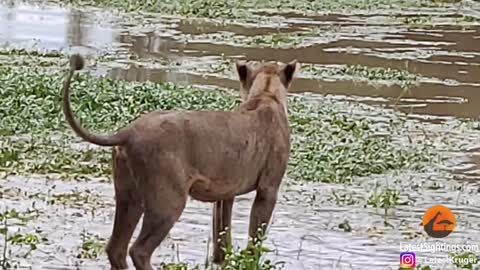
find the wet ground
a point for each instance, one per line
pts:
(439, 46)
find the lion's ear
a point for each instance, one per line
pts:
(288, 72)
(242, 70)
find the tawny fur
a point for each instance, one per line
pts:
(161, 158)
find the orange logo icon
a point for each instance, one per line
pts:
(438, 221)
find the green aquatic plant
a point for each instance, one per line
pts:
(327, 145)
(343, 198)
(53, 157)
(92, 246)
(19, 244)
(27, 52)
(335, 149)
(195, 8)
(293, 39)
(228, 9)
(207, 8)
(359, 72)
(251, 257)
(76, 199)
(386, 199)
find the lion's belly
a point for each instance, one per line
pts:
(208, 190)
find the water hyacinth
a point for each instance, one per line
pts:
(327, 146)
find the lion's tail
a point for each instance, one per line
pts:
(76, 63)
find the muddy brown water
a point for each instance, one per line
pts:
(305, 228)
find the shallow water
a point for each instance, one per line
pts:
(305, 228)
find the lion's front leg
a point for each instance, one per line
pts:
(261, 212)
(266, 198)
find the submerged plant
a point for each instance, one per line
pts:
(343, 198)
(92, 246)
(18, 244)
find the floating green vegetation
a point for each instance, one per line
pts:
(195, 8)
(24, 51)
(468, 19)
(92, 246)
(206, 8)
(417, 20)
(23, 57)
(295, 39)
(222, 66)
(18, 218)
(327, 145)
(361, 73)
(332, 148)
(292, 39)
(341, 197)
(231, 9)
(341, 5)
(40, 155)
(431, 20)
(373, 75)
(31, 100)
(84, 199)
(17, 244)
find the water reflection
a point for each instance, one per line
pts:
(448, 54)
(53, 27)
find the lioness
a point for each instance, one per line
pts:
(161, 158)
